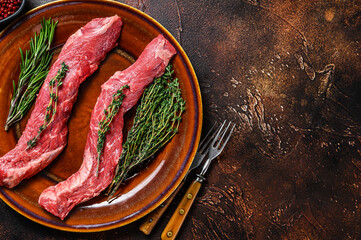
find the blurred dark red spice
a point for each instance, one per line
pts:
(8, 7)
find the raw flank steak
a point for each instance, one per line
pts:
(86, 183)
(83, 52)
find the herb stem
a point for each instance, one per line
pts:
(33, 70)
(155, 123)
(55, 82)
(104, 124)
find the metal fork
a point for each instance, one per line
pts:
(151, 220)
(213, 150)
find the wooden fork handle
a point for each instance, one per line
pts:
(151, 220)
(176, 221)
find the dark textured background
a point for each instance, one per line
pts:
(288, 73)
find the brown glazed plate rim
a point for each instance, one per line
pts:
(186, 162)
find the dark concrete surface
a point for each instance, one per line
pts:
(288, 73)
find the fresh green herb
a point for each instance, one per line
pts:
(33, 70)
(104, 124)
(54, 85)
(156, 121)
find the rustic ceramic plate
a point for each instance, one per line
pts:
(143, 192)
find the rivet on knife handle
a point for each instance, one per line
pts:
(176, 221)
(152, 218)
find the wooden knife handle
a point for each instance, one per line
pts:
(176, 221)
(151, 220)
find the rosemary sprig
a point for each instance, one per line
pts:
(33, 70)
(54, 85)
(104, 124)
(156, 121)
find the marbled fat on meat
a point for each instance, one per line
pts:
(84, 184)
(83, 52)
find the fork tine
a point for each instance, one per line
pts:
(209, 140)
(206, 137)
(223, 133)
(229, 135)
(219, 131)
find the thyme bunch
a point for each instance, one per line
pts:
(54, 85)
(156, 122)
(33, 70)
(104, 124)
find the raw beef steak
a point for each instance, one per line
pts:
(85, 184)
(82, 52)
